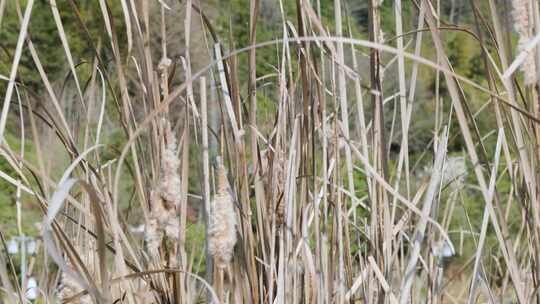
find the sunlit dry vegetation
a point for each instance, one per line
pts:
(267, 151)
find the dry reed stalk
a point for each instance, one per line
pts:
(263, 230)
(282, 257)
(68, 287)
(500, 229)
(14, 67)
(70, 291)
(206, 181)
(434, 184)
(275, 171)
(380, 226)
(522, 25)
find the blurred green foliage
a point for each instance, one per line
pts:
(45, 36)
(8, 194)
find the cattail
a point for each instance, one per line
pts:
(169, 186)
(520, 14)
(163, 222)
(164, 200)
(222, 230)
(152, 233)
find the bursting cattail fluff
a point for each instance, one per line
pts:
(169, 186)
(165, 198)
(222, 230)
(522, 25)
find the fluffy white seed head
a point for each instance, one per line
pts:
(169, 185)
(152, 236)
(165, 198)
(222, 230)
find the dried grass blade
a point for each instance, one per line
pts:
(65, 44)
(55, 204)
(485, 220)
(14, 66)
(433, 186)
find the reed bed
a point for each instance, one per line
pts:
(174, 183)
